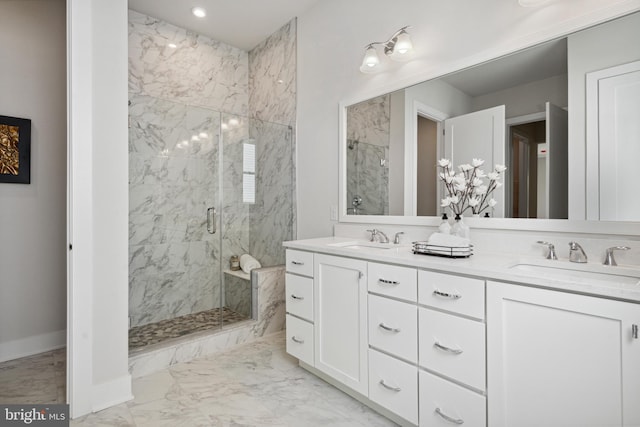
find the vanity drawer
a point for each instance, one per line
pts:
(300, 339)
(300, 262)
(452, 293)
(299, 292)
(393, 384)
(392, 280)
(393, 327)
(440, 398)
(452, 346)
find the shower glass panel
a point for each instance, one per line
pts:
(185, 161)
(257, 204)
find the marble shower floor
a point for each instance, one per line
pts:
(35, 379)
(154, 333)
(255, 384)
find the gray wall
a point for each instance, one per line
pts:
(33, 217)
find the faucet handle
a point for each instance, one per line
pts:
(609, 259)
(576, 253)
(374, 233)
(552, 249)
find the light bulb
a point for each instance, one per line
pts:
(403, 44)
(199, 12)
(370, 61)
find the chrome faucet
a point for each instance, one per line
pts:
(378, 235)
(609, 259)
(552, 249)
(576, 253)
(396, 239)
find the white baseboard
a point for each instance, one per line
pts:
(32, 345)
(111, 393)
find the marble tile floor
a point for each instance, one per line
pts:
(154, 333)
(255, 384)
(36, 379)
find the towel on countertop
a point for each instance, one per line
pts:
(248, 263)
(448, 240)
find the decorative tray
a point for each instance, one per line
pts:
(423, 248)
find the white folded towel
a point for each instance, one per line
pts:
(248, 263)
(449, 240)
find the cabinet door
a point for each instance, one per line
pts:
(560, 359)
(340, 308)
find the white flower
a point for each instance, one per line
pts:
(492, 202)
(493, 176)
(454, 199)
(473, 202)
(498, 184)
(466, 167)
(444, 163)
(480, 173)
(500, 168)
(460, 187)
(445, 202)
(481, 189)
(460, 179)
(477, 162)
(477, 182)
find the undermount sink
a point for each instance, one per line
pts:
(581, 273)
(363, 245)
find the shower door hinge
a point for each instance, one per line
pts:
(634, 331)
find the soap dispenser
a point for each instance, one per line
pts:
(445, 227)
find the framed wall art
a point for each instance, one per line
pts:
(15, 150)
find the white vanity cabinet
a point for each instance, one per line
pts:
(451, 350)
(299, 305)
(340, 320)
(393, 339)
(560, 359)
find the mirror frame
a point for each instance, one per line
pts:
(522, 224)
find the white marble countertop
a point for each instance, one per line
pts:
(619, 282)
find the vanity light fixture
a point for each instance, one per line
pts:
(199, 12)
(399, 48)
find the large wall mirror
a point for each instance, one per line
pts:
(563, 116)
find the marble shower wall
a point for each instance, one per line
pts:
(272, 106)
(368, 137)
(199, 71)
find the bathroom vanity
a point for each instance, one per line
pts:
(485, 341)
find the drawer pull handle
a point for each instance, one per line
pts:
(297, 263)
(446, 295)
(298, 340)
(389, 328)
(388, 282)
(388, 387)
(294, 296)
(448, 418)
(447, 349)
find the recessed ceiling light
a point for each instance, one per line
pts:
(199, 12)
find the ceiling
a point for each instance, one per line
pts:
(239, 23)
(536, 63)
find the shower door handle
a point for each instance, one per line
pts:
(211, 220)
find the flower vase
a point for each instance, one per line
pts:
(459, 228)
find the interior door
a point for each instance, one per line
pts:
(478, 135)
(557, 162)
(613, 130)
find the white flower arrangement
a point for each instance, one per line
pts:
(467, 189)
